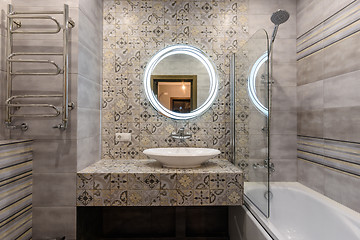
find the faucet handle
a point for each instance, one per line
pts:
(180, 134)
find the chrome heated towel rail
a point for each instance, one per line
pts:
(15, 27)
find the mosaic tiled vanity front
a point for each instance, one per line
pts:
(146, 183)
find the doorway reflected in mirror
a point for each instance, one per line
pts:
(180, 105)
(177, 93)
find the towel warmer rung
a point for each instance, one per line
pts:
(38, 12)
(33, 17)
(16, 27)
(58, 69)
(34, 54)
(39, 105)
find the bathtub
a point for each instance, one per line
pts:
(299, 213)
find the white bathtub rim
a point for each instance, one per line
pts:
(273, 231)
(296, 186)
(336, 206)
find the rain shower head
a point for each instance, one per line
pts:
(279, 17)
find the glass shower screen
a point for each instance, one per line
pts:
(250, 118)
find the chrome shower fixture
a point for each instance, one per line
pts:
(278, 17)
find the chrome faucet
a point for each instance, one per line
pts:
(266, 164)
(180, 134)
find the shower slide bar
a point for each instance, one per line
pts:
(15, 26)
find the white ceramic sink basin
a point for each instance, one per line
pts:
(181, 157)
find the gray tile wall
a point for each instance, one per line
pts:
(311, 13)
(59, 154)
(4, 133)
(328, 100)
(89, 82)
(55, 152)
(284, 117)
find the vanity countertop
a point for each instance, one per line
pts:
(146, 183)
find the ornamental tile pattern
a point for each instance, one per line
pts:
(133, 31)
(152, 181)
(102, 181)
(145, 183)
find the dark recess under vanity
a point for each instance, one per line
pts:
(172, 223)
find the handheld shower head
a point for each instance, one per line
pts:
(279, 17)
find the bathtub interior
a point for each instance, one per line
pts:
(298, 212)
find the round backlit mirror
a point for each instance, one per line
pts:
(252, 83)
(181, 82)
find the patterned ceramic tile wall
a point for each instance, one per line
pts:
(133, 32)
(241, 114)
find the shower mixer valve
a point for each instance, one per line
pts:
(266, 164)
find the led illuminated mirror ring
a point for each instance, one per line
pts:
(191, 51)
(252, 84)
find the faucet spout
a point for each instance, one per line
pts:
(180, 134)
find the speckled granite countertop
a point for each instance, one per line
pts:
(152, 166)
(145, 183)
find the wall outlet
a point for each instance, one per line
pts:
(123, 137)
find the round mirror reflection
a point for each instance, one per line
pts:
(181, 82)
